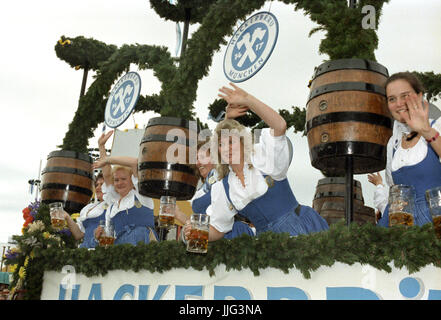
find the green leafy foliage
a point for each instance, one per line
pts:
(345, 38)
(194, 10)
(412, 248)
(431, 83)
(84, 53)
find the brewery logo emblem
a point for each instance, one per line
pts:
(251, 46)
(122, 99)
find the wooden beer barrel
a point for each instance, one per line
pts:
(68, 178)
(334, 212)
(347, 115)
(332, 189)
(167, 159)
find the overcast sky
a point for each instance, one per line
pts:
(40, 92)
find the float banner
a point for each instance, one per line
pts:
(339, 282)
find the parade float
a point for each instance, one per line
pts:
(353, 260)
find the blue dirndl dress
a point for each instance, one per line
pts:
(274, 210)
(90, 225)
(422, 176)
(200, 205)
(134, 225)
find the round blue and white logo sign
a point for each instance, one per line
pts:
(122, 99)
(251, 46)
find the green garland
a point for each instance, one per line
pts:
(413, 248)
(44, 250)
(345, 38)
(195, 10)
(345, 35)
(84, 53)
(431, 83)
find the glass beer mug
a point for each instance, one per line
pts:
(433, 197)
(57, 215)
(401, 205)
(198, 239)
(167, 209)
(107, 238)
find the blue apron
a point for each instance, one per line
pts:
(422, 176)
(312, 220)
(134, 225)
(90, 225)
(274, 210)
(201, 204)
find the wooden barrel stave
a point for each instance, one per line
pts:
(334, 212)
(159, 176)
(68, 178)
(347, 115)
(332, 189)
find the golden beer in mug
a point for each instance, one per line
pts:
(57, 215)
(401, 205)
(167, 209)
(198, 239)
(107, 237)
(106, 241)
(57, 224)
(400, 218)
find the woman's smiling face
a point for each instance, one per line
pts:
(396, 92)
(122, 182)
(231, 149)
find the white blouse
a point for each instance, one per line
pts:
(401, 158)
(111, 196)
(271, 157)
(91, 210)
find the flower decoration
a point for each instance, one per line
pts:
(12, 254)
(30, 212)
(36, 226)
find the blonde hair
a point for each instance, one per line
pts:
(234, 128)
(123, 168)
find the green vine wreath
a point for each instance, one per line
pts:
(412, 247)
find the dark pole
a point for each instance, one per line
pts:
(186, 26)
(83, 84)
(349, 198)
(349, 190)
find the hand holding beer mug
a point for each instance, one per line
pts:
(107, 237)
(401, 205)
(167, 209)
(433, 197)
(198, 238)
(57, 215)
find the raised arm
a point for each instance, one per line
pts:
(107, 170)
(239, 98)
(118, 160)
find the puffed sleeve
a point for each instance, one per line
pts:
(109, 193)
(381, 196)
(388, 170)
(220, 212)
(271, 155)
(145, 201)
(80, 225)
